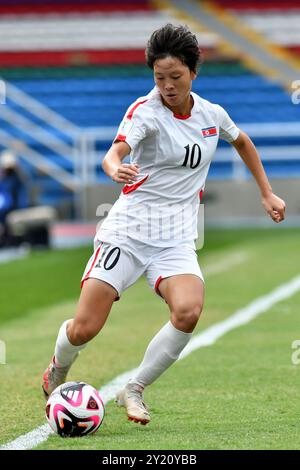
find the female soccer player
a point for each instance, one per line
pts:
(172, 135)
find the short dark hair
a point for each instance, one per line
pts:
(175, 41)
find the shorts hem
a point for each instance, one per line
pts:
(162, 277)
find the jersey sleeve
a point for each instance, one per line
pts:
(228, 130)
(136, 125)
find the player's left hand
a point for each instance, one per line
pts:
(275, 207)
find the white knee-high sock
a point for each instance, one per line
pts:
(162, 352)
(64, 350)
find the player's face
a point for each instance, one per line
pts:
(174, 81)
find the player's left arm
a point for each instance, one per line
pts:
(274, 205)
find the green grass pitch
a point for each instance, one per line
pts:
(240, 393)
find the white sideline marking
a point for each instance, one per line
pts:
(242, 316)
(206, 338)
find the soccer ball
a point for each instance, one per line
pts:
(75, 409)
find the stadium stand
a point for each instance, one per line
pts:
(278, 21)
(78, 86)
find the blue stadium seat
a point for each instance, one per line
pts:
(100, 102)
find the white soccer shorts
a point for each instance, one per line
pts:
(121, 264)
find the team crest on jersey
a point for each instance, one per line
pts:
(209, 131)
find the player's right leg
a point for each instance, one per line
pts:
(93, 308)
(110, 270)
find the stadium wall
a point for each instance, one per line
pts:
(226, 202)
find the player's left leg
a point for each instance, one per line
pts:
(184, 295)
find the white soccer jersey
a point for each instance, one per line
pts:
(174, 154)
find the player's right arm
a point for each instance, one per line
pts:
(113, 166)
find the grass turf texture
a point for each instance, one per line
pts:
(240, 393)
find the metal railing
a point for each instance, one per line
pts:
(93, 136)
(46, 127)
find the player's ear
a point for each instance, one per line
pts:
(193, 75)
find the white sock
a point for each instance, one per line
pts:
(64, 350)
(162, 352)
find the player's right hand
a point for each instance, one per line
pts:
(126, 173)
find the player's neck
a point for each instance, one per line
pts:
(184, 109)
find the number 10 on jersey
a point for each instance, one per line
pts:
(192, 157)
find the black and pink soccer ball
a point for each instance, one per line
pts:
(75, 409)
